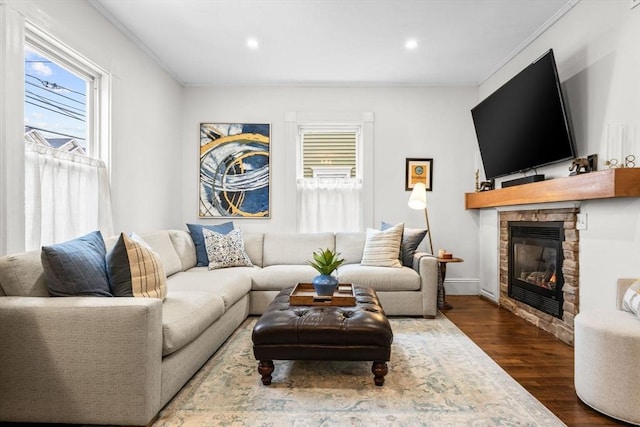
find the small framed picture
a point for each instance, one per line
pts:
(419, 170)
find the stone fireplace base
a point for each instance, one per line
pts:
(561, 328)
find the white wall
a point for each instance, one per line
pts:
(146, 117)
(408, 122)
(597, 50)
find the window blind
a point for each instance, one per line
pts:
(329, 150)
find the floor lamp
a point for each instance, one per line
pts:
(418, 200)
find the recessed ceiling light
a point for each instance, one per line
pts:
(411, 44)
(252, 43)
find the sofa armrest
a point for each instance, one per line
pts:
(84, 360)
(427, 267)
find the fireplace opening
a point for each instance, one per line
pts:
(535, 264)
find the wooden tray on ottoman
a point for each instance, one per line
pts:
(304, 294)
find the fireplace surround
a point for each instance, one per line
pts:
(563, 220)
(606, 184)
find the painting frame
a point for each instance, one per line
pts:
(418, 170)
(234, 170)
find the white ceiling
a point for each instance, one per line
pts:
(332, 42)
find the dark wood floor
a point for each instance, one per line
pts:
(540, 362)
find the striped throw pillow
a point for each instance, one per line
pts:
(135, 270)
(382, 248)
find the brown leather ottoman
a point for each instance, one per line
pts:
(361, 332)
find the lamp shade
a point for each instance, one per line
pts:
(418, 197)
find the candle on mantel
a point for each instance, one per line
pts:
(622, 143)
(607, 157)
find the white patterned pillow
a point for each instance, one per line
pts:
(382, 248)
(631, 298)
(225, 250)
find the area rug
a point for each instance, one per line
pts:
(437, 377)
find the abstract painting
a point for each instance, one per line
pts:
(234, 170)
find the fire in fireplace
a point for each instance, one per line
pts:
(535, 264)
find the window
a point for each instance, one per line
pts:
(329, 178)
(66, 96)
(66, 133)
(55, 104)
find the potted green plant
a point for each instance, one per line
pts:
(325, 261)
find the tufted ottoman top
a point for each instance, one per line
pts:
(324, 332)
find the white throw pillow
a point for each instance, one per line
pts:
(382, 248)
(631, 298)
(225, 250)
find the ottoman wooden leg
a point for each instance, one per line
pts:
(265, 369)
(379, 370)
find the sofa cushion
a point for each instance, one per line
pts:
(77, 267)
(186, 314)
(411, 239)
(135, 270)
(198, 239)
(225, 250)
(277, 277)
(161, 243)
(185, 248)
(21, 275)
(231, 284)
(382, 248)
(253, 242)
(294, 248)
(350, 246)
(380, 278)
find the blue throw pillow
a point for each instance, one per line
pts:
(77, 267)
(198, 239)
(411, 239)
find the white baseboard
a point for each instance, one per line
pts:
(488, 295)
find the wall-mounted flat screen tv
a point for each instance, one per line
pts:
(523, 125)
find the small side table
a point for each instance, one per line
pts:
(442, 264)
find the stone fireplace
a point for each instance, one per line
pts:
(559, 319)
(597, 185)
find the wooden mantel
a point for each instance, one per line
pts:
(624, 182)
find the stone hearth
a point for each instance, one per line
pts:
(561, 328)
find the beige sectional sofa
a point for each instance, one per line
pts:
(95, 360)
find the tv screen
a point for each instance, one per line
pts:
(523, 124)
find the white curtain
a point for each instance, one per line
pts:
(329, 205)
(66, 195)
